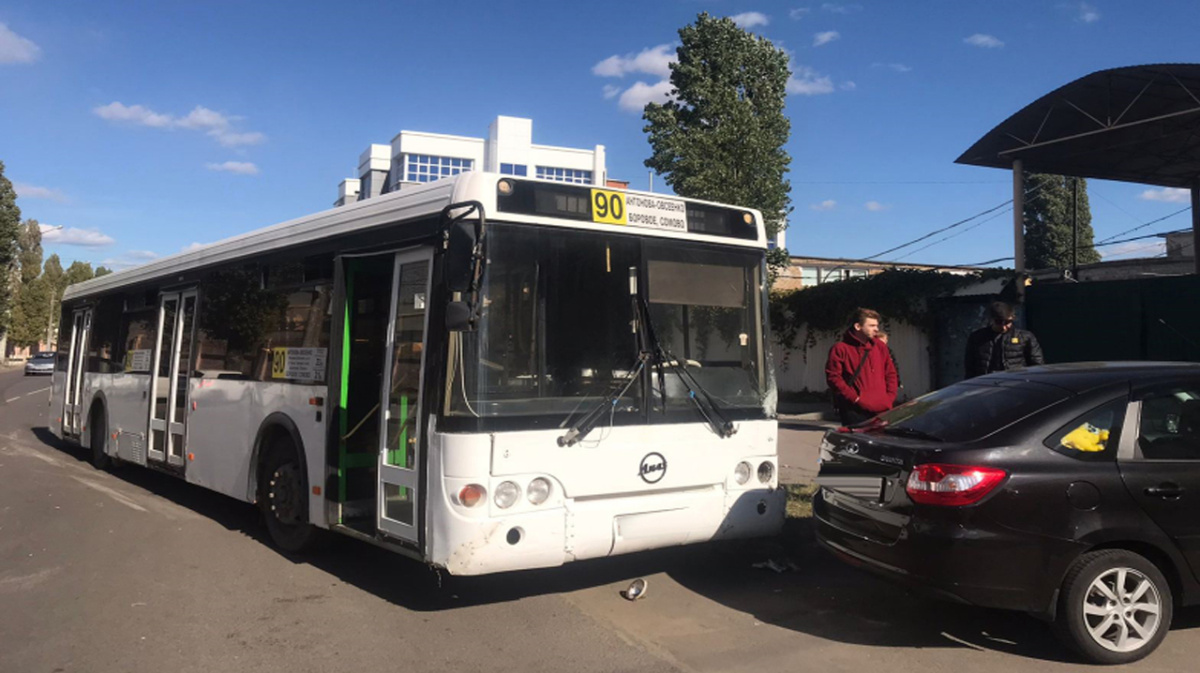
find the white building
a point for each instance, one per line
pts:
(415, 157)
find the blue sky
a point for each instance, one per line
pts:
(142, 128)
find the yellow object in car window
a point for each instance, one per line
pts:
(1086, 437)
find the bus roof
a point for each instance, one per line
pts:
(410, 204)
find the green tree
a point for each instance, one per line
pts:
(31, 311)
(53, 275)
(1048, 217)
(102, 271)
(721, 138)
(10, 226)
(77, 273)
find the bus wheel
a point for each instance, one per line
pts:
(283, 497)
(99, 425)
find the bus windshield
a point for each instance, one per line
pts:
(556, 333)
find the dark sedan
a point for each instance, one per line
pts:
(1071, 492)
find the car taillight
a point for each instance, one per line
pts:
(952, 485)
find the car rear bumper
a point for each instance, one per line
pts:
(980, 564)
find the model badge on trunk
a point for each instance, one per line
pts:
(653, 468)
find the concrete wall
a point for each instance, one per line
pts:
(797, 370)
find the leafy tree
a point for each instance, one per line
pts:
(53, 275)
(34, 296)
(102, 271)
(721, 138)
(1048, 213)
(10, 226)
(77, 273)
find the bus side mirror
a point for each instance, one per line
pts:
(460, 257)
(458, 317)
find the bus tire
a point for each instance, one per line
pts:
(283, 497)
(98, 422)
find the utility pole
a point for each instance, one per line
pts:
(1018, 202)
(1075, 228)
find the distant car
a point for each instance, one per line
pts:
(1071, 492)
(40, 363)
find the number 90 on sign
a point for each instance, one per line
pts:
(608, 207)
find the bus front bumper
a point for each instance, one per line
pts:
(605, 526)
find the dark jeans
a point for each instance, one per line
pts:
(851, 416)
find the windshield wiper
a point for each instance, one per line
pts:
(587, 423)
(704, 402)
(911, 432)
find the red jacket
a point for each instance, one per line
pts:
(875, 389)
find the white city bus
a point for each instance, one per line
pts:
(483, 373)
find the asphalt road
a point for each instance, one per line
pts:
(136, 571)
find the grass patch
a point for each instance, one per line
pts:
(799, 500)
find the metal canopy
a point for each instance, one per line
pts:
(1135, 124)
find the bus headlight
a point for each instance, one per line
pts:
(506, 494)
(539, 491)
(765, 471)
(741, 473)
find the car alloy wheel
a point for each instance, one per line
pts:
(1122, 610)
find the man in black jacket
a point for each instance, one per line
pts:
(999, 346)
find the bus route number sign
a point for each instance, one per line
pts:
(608, 207)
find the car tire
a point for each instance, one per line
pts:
(1115, 607)
(99, 435)
(283, 499)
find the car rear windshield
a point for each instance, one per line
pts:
(44, 356)
(970, 410)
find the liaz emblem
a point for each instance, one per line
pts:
(653, 468)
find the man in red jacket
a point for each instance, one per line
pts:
(860, 372)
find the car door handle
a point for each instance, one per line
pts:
(1167, 491)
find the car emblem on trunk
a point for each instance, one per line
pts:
(851, 449)
(653, 468)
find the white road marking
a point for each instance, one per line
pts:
(110, 493)
(10, 582)
(39, 390)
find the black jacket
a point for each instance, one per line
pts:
(1020, 349)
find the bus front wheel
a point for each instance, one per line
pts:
(283, 498)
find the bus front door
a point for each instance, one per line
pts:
(73, 412)
(399, 436)
(171, 371)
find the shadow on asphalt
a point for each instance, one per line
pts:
(822, 597)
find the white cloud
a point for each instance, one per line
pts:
(214, 124)
(192, 246)
(848, 85)
(239, 167)
(135, 114)
(635, 97)
(16, 49)
(1167, 195)
(74, 236)
(875, 206)
(748, 20)
(798, 13)
(838, 8)
(1135, 248)
(611, 91)
(25, 191)
(982, 40)
(808, 82)
(145, 255)
(827, 204)
(1087, 13)
(898, 67)
(826, 37)
(651, 60)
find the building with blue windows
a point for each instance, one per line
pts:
(417, 157)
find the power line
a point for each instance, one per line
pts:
(1145, 224)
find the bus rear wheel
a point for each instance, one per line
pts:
(283, 498)
(99, 428)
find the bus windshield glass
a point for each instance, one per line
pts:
(556, 334)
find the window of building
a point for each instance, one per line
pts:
(514, 169)
(564, 175)
(427, 167)
(809, 276)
